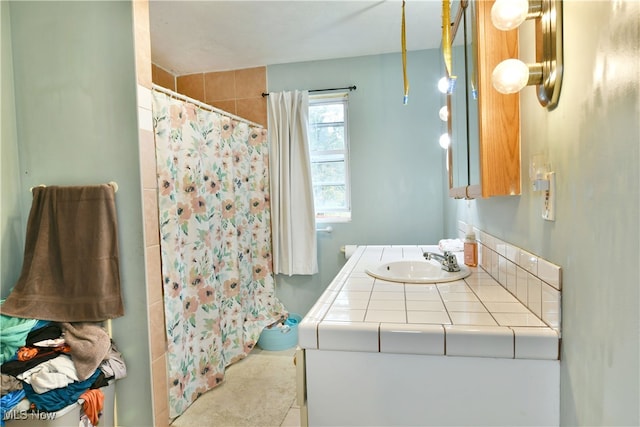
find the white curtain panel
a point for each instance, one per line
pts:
(292, 211)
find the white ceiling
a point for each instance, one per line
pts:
(217, 35)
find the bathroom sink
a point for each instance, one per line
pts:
(416, 271)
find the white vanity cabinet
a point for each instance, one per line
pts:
(379, 353)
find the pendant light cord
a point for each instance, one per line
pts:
(403, 37)
(446, 45)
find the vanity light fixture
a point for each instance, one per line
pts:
(443, 85)
(447, 85)
(445, 141)
(444, 113)
(511, 75)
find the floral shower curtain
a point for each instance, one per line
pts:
(215, 242)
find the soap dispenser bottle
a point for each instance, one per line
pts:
(470, 248)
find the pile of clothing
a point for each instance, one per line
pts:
(47, 366)
(70, 281)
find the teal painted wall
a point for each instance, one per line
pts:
(11, 219)
(591, 140)
(76, 123)
(397, 166)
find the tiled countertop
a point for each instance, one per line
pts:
(471, 317)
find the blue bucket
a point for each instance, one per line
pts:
(281, 336)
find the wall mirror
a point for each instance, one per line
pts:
(483, 157)
(462, 123)
(472, 94)
(458, 150)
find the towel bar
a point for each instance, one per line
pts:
(111, 183)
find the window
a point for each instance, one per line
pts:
(329, 152)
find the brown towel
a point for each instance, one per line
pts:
(71, 270)
(89, 344)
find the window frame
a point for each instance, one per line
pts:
(342, 214)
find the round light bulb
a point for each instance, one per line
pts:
(510, 76)
(445, 140)
(508, 14)
(443, 85)
(444, 113)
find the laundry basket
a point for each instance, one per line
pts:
(280, 336)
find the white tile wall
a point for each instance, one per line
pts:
(549, 273)
(512, 253)
(145, 117)
(502, 268)
(535, 282)
(511, 277)
(551, 303)
(534, 295)
(528, 261)
(522, 279)
(495, 258)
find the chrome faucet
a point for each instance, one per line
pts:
(448, 260)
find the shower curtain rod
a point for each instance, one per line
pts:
(202, 105)
(324, 90)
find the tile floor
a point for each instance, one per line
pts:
(293, 417)
(261, 373)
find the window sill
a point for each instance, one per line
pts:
(332, 220)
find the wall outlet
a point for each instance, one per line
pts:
(549, 199)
